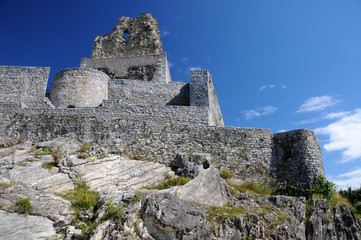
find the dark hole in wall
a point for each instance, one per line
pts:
(126, 34)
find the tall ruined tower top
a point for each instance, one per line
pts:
(130, 37)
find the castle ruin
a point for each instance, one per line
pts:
(123, 97)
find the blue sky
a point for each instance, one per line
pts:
(276, 64)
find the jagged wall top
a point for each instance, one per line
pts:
(130, 37)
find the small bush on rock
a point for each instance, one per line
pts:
(81, 196)
(321, 188)
(23, 206)
(48, 165)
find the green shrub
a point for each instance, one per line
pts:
(113, 212)
(23, 206)
(81, 196)
(48, 165)
(225, 174)
(353, 195)
(321, 188)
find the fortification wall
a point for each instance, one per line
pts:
(23, 84)
(79, 87)
(202, 93)
(148, 68)
(252, 154)
(215, 115)
(297, 157)
(149, 93)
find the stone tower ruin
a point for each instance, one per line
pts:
(123, 97)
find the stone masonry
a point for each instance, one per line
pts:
(123, 97)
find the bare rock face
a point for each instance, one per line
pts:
(206, 189)
(167, 217)
(130, 37)
(19, 226)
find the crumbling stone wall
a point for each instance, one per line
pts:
(23, 84)
(130, 37)
(253, 154)
(126, 67)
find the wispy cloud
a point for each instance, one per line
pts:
(335, 115)
(184, 59)
(315, 104)
(348, 179)
(344, 135)
(261, 111)
(263, 87)
(164, 32)
(195, 68)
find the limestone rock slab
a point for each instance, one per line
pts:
(20, 226)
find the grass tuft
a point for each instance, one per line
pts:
(251, 188)
(226, 174)
(81, 196)
(169, 182)
(48, 165)
(85, 147)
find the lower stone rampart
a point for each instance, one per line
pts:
(253, 154)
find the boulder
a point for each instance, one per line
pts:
(208, 188)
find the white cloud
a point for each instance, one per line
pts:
(263, 87)
(336, 115)
(184, 59)
(344, 135)
(314, 104)
(349, 179)
(261, 111)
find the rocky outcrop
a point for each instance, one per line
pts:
(167, 217)
(130, 37)
(206, 189)
(27, 227)
(201, 209)
(190, 165)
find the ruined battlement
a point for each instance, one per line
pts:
(123, 97)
